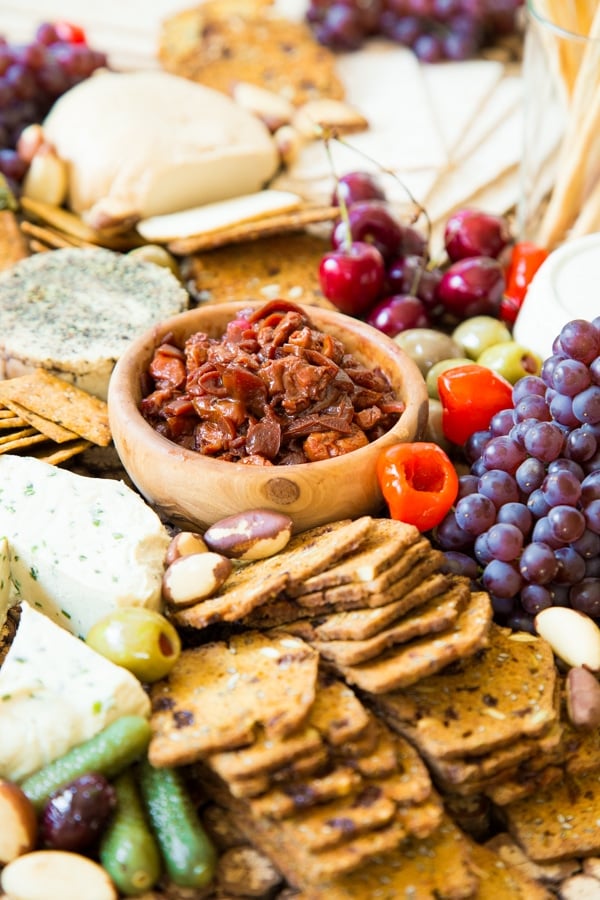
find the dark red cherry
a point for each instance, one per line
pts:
(397, 313)
(371, 222)
(352, 278)
(355, 186)
(472, 287)
(470, 232)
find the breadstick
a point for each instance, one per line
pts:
(579, 144)
(588, 219)
(566, 52)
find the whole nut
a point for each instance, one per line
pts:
(254, 534)
(195, 577)
(56, 875)
(47, 178)
(583, 698)
(573, 636)
(273, 109)
(184, 544)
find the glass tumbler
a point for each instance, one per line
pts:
(560, 168)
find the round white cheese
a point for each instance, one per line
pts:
(565, 287)
(141, 144)
(74, 312)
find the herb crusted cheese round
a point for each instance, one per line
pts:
(74, 311)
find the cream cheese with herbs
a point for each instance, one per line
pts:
(4, 580)
(55, 693)
(74, 311)
(80, 546)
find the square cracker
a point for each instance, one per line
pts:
(432, 617)
(217, 694)
(254, 584)
(61, 402)
(405, 665)
(386, 542)
(505, 692)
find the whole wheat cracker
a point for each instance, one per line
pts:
(264, 755)
(217, 693)
(405, 665)
(279, 803)
(303, 767)
(504, 692)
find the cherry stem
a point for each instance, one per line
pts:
(343, 206)
(421, 211)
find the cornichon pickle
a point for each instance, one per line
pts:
(128, 850)
(188, 853)
(109, 752)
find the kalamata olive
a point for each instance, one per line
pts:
(138, 639)
(76, 814)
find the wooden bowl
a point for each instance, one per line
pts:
(193, 490)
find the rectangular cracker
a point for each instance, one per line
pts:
(264, 755)
(354, 596)
(405, 665)
(55, 455)
(249, 587)
(302, 767)
(505, 692)
(432, 617)
(217, 694)
(57, 400)
(51, 429)
(361, 624)
(387, 540)
(280, 803)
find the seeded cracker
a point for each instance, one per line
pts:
(223, 42)
(504, 692)
(405, 665)
(52, 430)
(56, 400)
(217, 694)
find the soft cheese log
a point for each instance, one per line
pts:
(80, 547)
(56, 693)
(142, 144)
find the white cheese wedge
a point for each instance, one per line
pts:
(216, 216)
(81, 547)
(56, 693)
(4, 580)
(74, 311)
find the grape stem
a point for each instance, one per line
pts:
(347, 237)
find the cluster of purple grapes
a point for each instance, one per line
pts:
(526, 522)
(32, 77)
(434, 29)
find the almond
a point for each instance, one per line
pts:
(573, 636)
(324, 114)
(272, 109)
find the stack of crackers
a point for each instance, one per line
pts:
(44, 416)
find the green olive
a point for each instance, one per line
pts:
(442, 366)
(474, 335)
(425, 346)
(138, 639)
(434, 430)
(511, 360)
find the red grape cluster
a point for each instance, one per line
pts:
(379, 268)
(32, 77)
(434, 29)
(526, 523)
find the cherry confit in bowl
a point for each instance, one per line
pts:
(190, 488)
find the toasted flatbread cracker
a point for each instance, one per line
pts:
(56, 455)
(303, 766)
(432, 617)
(284, 223)
(51, 429)
(437, 866)
(361, 624)
(216, 695)
(280, 803)
(57, 400)
(560, 822)
(386, 543)
(337, 713)
(405, 665)
(498, 879)
(221, 43)
(505, 692)
(264, 269)
(7, 423)
(250, 587)
(265, 755)
(20, 440)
